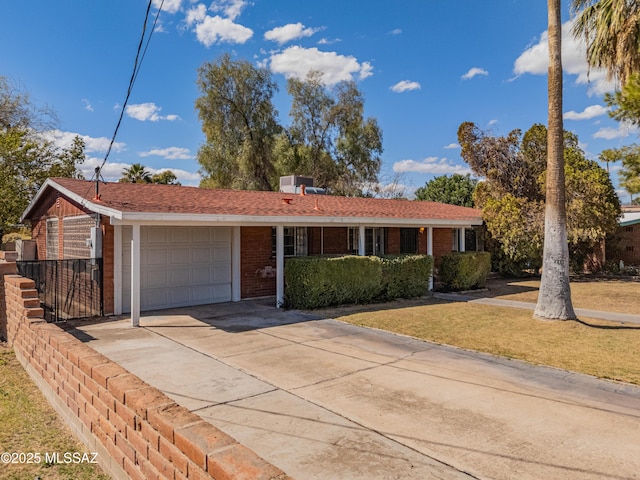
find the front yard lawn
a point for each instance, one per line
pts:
(609, 295)
(603, 349)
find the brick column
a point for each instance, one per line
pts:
(5, 269)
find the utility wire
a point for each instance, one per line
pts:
(140, 54)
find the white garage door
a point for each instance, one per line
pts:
(179, 266)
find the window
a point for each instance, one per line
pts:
(629, 228)
(455, 240)
(373, 240)
(630, 249)
(408, 240)
(295, 241)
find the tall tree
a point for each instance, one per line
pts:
(554, 297)
(329, 138)
(27, 159)
(455, 189)
(166, 177)
(611, 29)
(629, 174)
(624, 104)
(239, 123)
(136, 173)
(514, 211)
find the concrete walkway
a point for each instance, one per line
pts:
(325, 400)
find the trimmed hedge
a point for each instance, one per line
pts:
(314, 282)
(406, 276)
(465, 270)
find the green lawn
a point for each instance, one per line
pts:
(603, 349)
(30, 426)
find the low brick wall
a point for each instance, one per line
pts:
(137, 431)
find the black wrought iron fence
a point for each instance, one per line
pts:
(68, 289)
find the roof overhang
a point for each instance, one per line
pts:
(93, 206)
(630, 218)
(248, 220)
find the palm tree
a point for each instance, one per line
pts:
(554, 298)
(136, 173)
(611, 29)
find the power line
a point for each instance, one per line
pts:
(140, 54)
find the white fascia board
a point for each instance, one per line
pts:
(94, 207)
(187, 219)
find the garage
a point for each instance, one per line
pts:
(179, 266)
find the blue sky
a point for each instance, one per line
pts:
(424, 66)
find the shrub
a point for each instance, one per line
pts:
(465, 270)
(406, 276)
(10, 238)
(313, 282)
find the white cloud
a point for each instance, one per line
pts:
(492, 122)
(452, 146)
(87, 105)
(289, 32)
(91, 144)
(535, 60)
(326, 41)
(395, 31)
(196, 14)
(221, 30)
(184, 177)
(622, 131)
(474, 72)
(404, 86)
(588, 113)
(432, 165)
(147, 111)
(231, 8)
(170, 153)
(297, 62)
(169, 6)
(112, 171)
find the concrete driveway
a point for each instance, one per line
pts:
(321, 399)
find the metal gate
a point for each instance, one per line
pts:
(68, 289)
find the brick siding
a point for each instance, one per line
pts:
(137, 431)
(625, 245)
(442, 242)
(256, 255)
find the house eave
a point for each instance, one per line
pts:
(92, 206)
(142, 218)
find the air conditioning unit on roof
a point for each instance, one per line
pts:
(292, 184)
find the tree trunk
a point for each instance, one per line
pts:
(554, 298)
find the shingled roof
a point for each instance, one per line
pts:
(129, 201)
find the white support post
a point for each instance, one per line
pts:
(235, 265)
(430, 252)
(361, 245)
(279, 266)
(135, 276)
(117, 269)
(461, 240)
